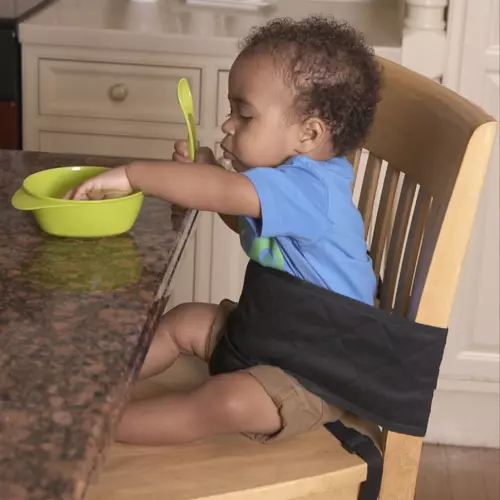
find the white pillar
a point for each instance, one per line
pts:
(424, 37)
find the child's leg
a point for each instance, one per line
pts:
(229, 403)
(183, 330)
(234, 402)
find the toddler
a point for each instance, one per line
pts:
(302, 95)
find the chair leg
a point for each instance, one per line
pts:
(401, 462)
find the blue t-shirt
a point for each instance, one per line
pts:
(310, 226)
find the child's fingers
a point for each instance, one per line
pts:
(180, 158)
(181, 148)
(83, 192)
(69, 195)
(181, 152)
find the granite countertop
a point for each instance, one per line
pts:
(76, 318)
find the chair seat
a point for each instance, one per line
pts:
(312, 466)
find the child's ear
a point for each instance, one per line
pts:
(313, 132)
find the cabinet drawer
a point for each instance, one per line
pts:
(106, 145)
(114, 91)
(222, 100)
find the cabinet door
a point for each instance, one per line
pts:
(466, 407)
(228, 263)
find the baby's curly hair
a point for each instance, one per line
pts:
(332, 71)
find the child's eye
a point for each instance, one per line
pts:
(237, 114)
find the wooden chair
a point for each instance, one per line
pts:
(418, 211)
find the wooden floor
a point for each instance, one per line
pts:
(450, 473)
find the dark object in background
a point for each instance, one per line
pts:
(11, 14)
(10, 87)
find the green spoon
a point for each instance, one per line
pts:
(186, 103)
(22, 200)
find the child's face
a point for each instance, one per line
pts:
(261, 130)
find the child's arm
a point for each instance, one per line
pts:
(192, 185)
(204, 185)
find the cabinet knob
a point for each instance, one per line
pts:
(118, 92)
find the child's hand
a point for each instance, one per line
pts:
(111, 184)
(203, 155)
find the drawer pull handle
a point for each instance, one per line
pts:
(118, 92)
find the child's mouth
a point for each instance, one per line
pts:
(235, 163)
(228, 155)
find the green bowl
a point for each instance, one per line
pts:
(42, 193)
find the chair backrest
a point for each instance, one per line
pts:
(428, 154)
(419, 208)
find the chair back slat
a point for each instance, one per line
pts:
(369, 190)
(384, 218)
(412, 250)
(397, 241)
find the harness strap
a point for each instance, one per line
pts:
(355, 442)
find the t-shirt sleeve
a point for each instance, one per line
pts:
(293, 200)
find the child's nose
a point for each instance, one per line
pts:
(228, 126)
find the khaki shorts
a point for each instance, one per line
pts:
(299, 409)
